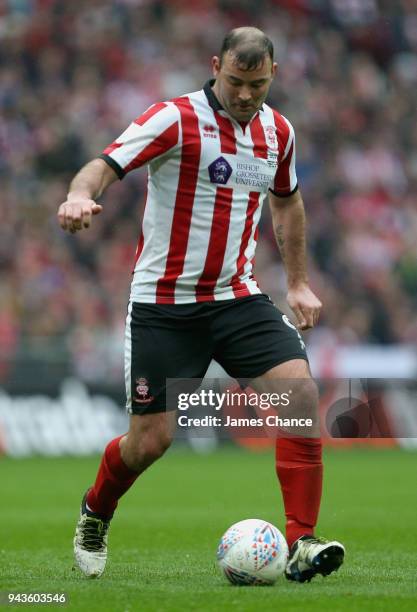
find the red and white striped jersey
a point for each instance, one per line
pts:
(208, 177)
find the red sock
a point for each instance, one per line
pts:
(114, 478)
(300, 473)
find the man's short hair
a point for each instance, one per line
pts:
(249, 46)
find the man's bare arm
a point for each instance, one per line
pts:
(288, 220)
(88, 185)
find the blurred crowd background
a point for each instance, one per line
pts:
(74, 74)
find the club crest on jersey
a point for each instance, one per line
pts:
(271, 137)
(220, 171)
(142, 391)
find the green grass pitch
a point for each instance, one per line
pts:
(164, 536)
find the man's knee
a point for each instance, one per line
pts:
(305, 392)
(140, 454)
(292, 377)
(148, 438)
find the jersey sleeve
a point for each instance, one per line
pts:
(152, 134)
(285, 182)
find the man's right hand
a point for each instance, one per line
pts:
(76, 213)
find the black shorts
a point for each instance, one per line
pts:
(246, 336)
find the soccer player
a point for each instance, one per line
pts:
(213, 156)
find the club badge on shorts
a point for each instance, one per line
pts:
(142, 391)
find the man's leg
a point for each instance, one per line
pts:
(124, 459)
(255, 341)
(161, 342)
(298, 459)
(300, 472)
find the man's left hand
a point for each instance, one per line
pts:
(305, 305)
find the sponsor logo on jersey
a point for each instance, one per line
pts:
(220, 171)
(253, 174)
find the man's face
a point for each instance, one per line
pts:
(242, 92)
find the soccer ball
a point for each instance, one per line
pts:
(252, 552)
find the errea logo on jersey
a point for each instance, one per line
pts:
(209, 131)
(220, 171)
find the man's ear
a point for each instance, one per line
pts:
(215, 64)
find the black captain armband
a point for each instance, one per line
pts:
(113, 164)
(284, 195)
